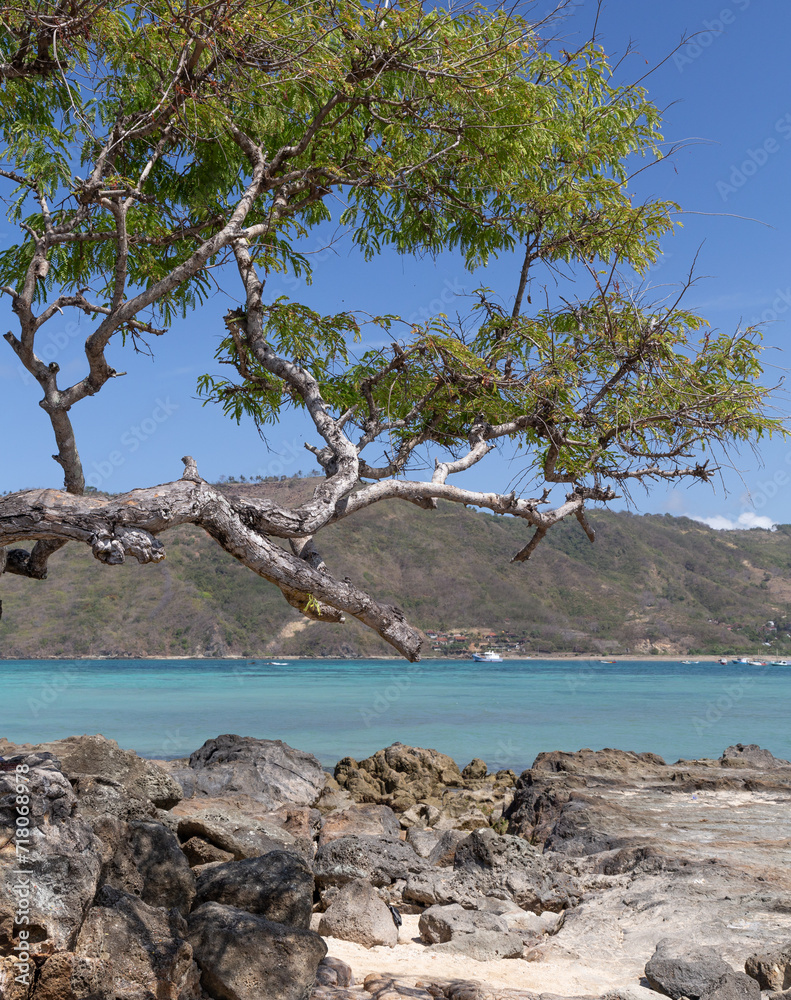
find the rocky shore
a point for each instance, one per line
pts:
(246, 872)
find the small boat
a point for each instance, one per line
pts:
(723, 661)
(488, 657)
(742, 660)
(608, 661)
(690, 663)
(757, 663)
(780, 663)
(278, 663)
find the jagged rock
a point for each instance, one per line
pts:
(243, 956)
(107, 778)
(444, 853)
(201, 852)
(243, 833)
(66, 855)
(422, 841)
(267, 771)
(475, 769)
(398, 776)
(128, 949)
(368, 818)
(420, 816)
(426, 787)
(358, 914)
(491, 864)
(735, 986)
(572, 802)
(751, 755)
(334, 972)
(278, 886)
(771, 969)
(679, 971)
(149, 863)
(379, 860)
(303, 823)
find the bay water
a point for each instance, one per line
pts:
(505, 713)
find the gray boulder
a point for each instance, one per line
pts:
(422, 841)
(267, 771)
(368, 818)
(109, 779)
(149, 863)
(444, 853)
(278, 886)
(378, 860)
(243, 956)
(751, 755)
(771, 969)
(486, 850)
(735, 986)
(65, 875)
(680, 972)
(491, 864)
(242, 833)
(126, 949)
(442, 923)
(358, 914)
(198, 851)
(478, 934)
(334, 972)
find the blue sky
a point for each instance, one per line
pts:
(726, 93)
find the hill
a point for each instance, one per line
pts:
(651, 583)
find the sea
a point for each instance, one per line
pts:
(505, 713)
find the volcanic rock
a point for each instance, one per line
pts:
(278, 886)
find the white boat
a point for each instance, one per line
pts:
(781, 663)
(488, 657)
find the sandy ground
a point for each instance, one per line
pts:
(411, 961)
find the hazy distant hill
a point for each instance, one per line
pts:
(649, 583)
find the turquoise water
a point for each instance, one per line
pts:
(505, 713)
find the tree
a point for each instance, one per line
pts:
(150, 147)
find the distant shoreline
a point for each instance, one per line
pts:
(569, 657)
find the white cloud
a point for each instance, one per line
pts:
(743, 522)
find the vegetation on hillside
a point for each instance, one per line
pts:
(650, 584)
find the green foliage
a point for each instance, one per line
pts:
(434, 131)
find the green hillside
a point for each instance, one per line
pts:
(650, 584)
